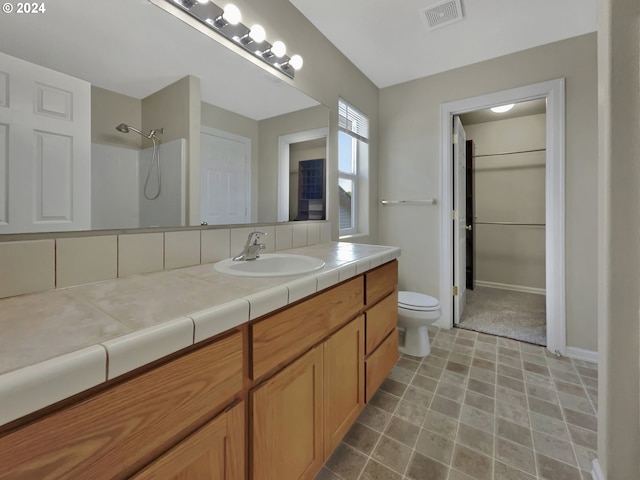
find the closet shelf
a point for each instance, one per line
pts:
(428, 201)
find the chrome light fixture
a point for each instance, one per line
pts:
(227, 22)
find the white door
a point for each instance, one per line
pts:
(225, 182)
(460, 218)
(45, 149)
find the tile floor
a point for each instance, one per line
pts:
(479, 407)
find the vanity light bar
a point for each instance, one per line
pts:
(227, 23)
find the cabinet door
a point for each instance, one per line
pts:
(287, 421)
(214, 452)
(343, 382)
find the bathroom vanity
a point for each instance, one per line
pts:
(270, 398)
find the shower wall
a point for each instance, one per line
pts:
(114, 187)
(510, 188)
(117, 180)
(169, 209)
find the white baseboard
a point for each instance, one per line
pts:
(596, 472)
(515, 288)
(581, 354)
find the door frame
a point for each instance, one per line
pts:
(204, 129)
(554, 92)
(283, 165)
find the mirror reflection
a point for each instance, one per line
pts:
(123, 116)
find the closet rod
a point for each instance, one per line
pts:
(510, 153)
(512, 223)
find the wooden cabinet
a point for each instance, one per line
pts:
(343, 382)
(303, 375)
(286, 433)
(214, 452)
(300, 414)
(278, 339)
(114, 433)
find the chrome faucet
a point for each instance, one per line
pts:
(252, 247)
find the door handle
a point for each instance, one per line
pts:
(203, 223)
(468, 227)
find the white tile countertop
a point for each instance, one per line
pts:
(58, 343)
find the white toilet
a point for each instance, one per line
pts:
(415, 312)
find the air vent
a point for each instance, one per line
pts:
(441, 14)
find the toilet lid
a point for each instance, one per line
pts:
(417, 301)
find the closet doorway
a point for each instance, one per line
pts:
(505, 221)
(554, 258)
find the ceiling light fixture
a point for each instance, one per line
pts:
(227, 22)
(502, 108)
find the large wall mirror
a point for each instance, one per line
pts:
(94, 98)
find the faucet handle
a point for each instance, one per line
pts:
(254, 237)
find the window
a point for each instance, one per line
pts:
(352, 167)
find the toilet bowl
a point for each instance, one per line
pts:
(415, 312)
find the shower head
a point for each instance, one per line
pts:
(124, 128)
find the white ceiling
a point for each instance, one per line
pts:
(388, 41)
(135, 48)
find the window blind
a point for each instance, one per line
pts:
(352, 121)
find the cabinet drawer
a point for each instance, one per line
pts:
(280, 338)
(380, 320)
(380, 363)
(115, 432)
(381, 281)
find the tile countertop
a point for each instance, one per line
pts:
(55, 344)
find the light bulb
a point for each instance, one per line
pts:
(278, 48)
(502, 108)
(257, 33)
(296, 62)
(202, 1)
(232, 14)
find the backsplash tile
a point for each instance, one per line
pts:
(86, 260)
(140, 253)
(181, 249)
(215, 245)
(45, 264)
(313, 234)
(26, 267)
(299, 235)
(284, 237)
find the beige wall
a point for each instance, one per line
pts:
(619, 239)
(270, 129)
(109, 109)
(510, 188)
(176, 108)
(409, 165)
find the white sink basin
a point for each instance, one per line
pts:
(270, 265)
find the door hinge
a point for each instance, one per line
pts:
(455, 138)
(454, 214)
(455, 291)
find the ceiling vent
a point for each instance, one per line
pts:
(441, 14)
